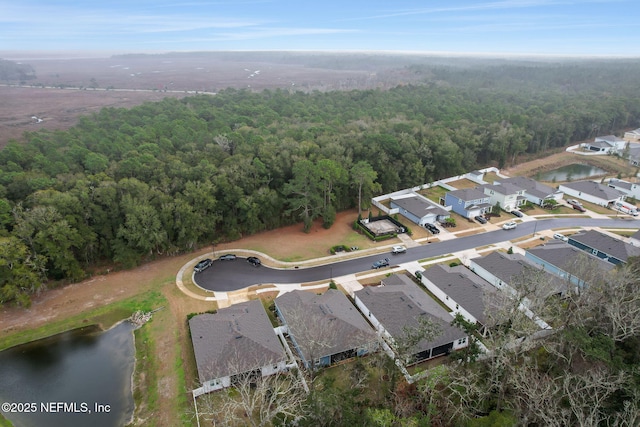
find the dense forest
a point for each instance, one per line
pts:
(162, 178)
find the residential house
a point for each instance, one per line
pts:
(460, 290)
(326, 328)
(535, 192)
(634, 239)
(236, 340)
(566, 261)
(632, 153)
(609, 144)
(511, 272)
(593, 192)
(419, 209)
(398, 306)
(469, 202)
(508, 196)
(604, 246)
(632, 136)
(630, 189)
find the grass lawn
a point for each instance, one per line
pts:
(491, 177)
(434, 193)
(558, 210)
(595, 208)
(463, 184)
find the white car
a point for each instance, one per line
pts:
(560, 237)
(509, 225)
(398, 250)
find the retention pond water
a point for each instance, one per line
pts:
(77, 378)
(572, 172)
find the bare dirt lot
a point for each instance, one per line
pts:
(59, 108)
(66, 88)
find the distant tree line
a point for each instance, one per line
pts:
(11, 71)
(162, 178)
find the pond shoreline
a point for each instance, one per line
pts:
(65, 367)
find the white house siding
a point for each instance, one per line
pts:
(486, 275)
(630, 189)
(584, 196)
(632, 136)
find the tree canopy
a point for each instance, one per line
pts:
(161, 178)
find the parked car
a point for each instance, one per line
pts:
(574, 202)
(227, 257)
(579, 208)
(509, 225)
(202, 265)
(517, 213)
(560, 237)
(254, 261)
(480, 219)
(381, 263)
(398, 250)
(432, 228)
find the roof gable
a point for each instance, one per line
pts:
(330, 317)
(399, 304)
(594, 189)
(465, 288)
(236, 339)
(419, 206)
(606, 244)
(468, 194)
(530, 186)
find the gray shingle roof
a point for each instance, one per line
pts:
(594, 189)
(530, 186)
(461, 285)
(468, 194)
(504, 188)
(621, 184)
(419, 206)
(334, 318)
(563, 255)
(514, 269)
(399, 303)
(234, 340)
(611, 139)
(606, 244)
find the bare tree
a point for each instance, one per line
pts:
(255, 400)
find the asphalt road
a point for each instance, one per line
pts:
(233, 275)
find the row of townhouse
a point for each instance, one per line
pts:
(509, 193)
(328, 328)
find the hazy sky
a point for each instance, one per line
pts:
(559, 27)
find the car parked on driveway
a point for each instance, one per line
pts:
(509, 225)
(517, 213)
(579, 208)
(227, 257)
(432, 228)
(560, 237)
(398, 250)
(202, 265)
(254, 261)
(480, 219)
(380, 264)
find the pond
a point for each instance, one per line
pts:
(77, 378)
(572, 172)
